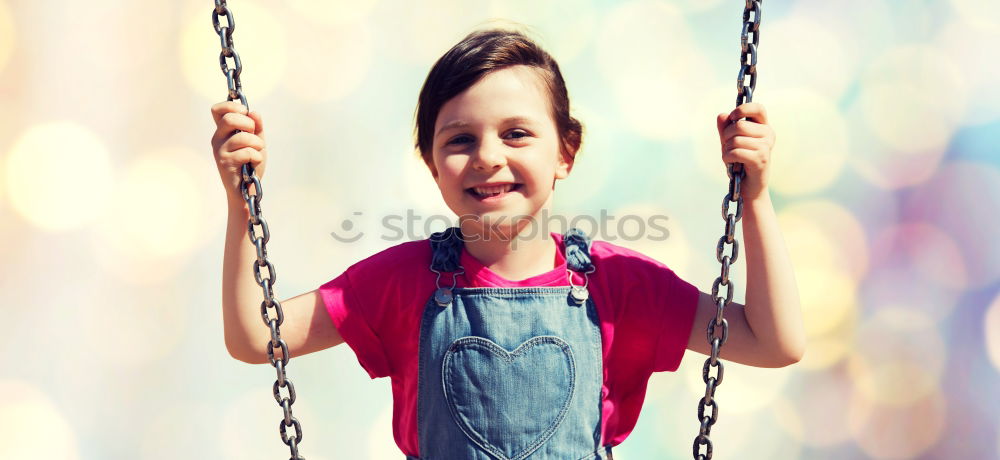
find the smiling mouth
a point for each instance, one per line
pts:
(491, 192)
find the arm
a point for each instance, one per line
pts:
(772, 297)
(306, 327)
(768, 331)
(238, 139)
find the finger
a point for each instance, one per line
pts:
(751, 110)
(221, 108)
(745, 128)
(224, 107)
(233, 121)
(721, 122)
(231, 124)
(249, 155)
(744, 156)
(242, 140)
(258, 124)
(741, 142)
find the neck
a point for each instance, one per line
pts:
(514, 252)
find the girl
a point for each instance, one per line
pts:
(501, 342)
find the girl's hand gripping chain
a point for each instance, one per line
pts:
(239, 138)
(749, 142)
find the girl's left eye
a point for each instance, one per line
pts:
(519, 132)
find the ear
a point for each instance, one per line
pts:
(565, 163)
(434, 171)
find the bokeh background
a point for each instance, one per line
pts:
(885, 178)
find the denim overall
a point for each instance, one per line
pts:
(509, 373)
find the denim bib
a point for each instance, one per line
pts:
(509, 373)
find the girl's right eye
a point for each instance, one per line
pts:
(455, 140)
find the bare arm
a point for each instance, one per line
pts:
(769, 332)
(772, 296)
(306, 326)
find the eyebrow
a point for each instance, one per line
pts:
(463, 124)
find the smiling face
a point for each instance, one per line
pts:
(498, 131)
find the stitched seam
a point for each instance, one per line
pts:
(474, 341)
(511, 291)
(425, 324)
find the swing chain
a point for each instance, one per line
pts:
(226, 38)
(257, 218)
(748, 67)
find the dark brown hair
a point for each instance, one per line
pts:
(478, 54)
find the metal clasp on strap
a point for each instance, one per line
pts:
(579, 294)
(443, 295)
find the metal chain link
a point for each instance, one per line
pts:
(257, 218)
(748, 67)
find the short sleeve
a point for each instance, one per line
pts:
(680, 303)
(350, 317)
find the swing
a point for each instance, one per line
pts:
(748, 67)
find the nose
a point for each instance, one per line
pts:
(489, 155)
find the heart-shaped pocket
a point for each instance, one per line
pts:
(509, 403)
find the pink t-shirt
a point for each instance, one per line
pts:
(646, 313)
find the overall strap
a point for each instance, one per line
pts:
(446, 249)
(577, 246)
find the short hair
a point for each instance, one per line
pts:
(478, 54)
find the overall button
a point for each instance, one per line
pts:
(443, 296)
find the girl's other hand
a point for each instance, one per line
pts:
(238, 139)
(749, 142)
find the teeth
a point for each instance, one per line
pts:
(495, 190)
